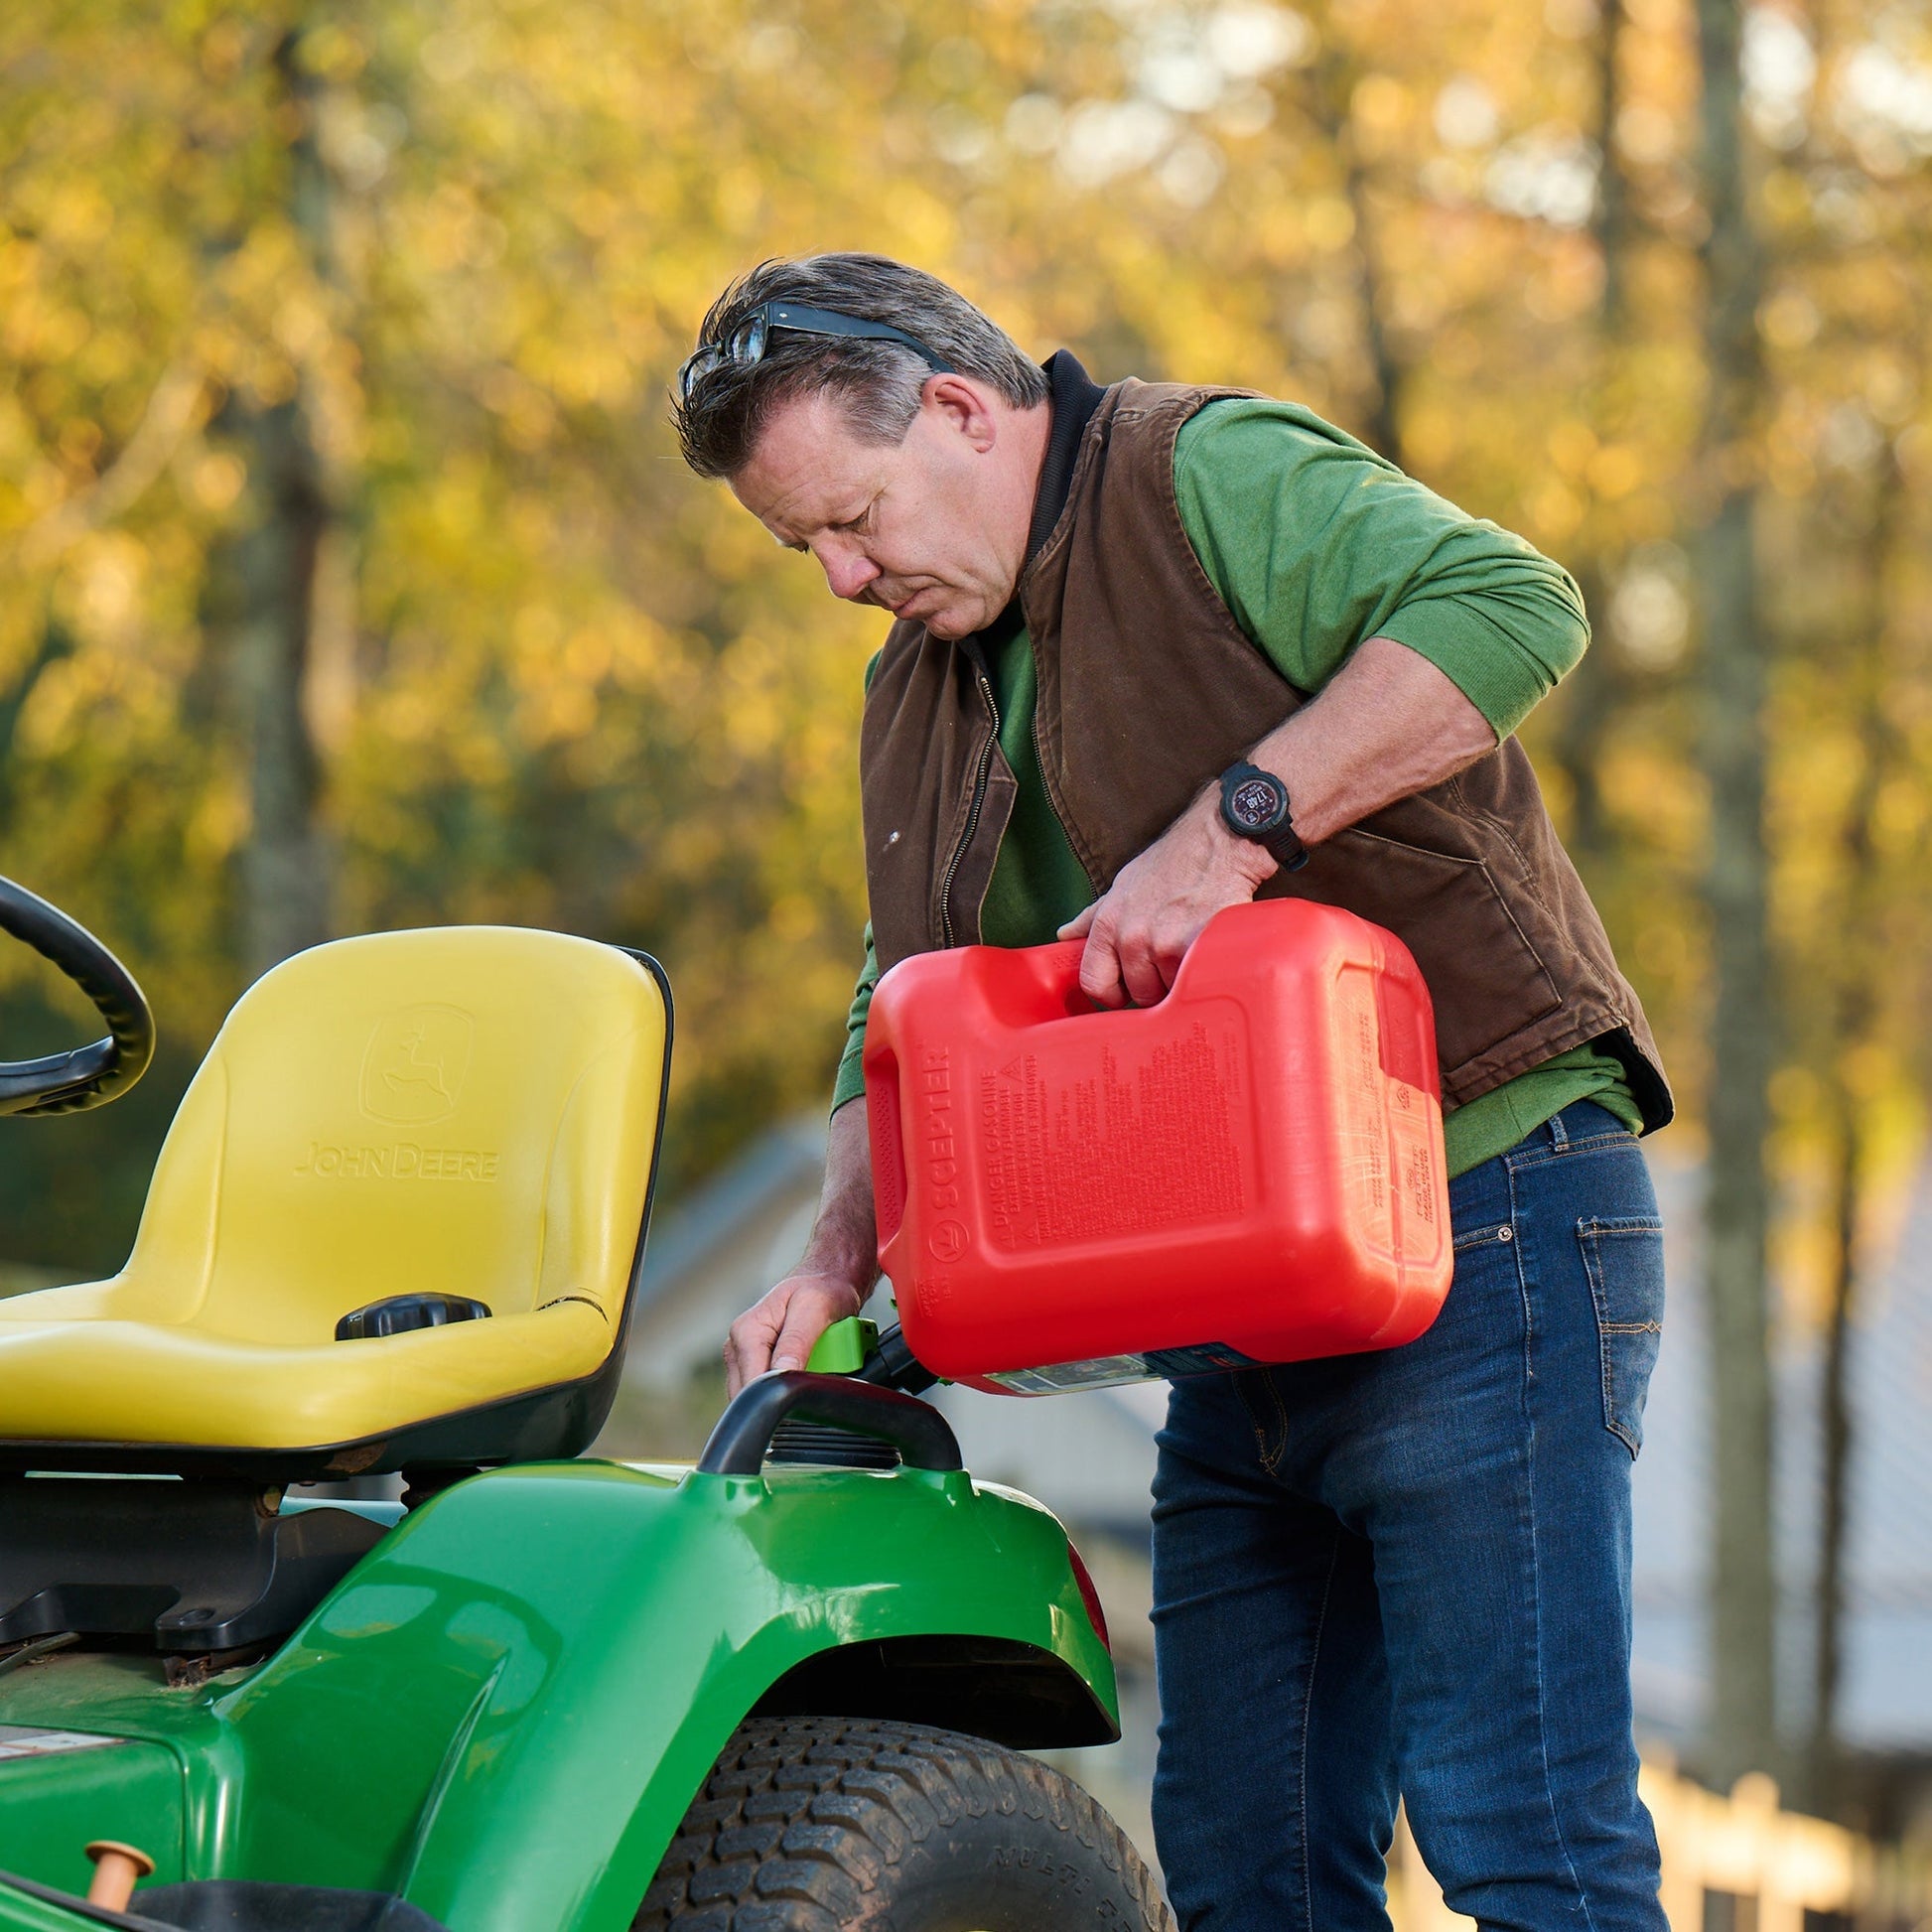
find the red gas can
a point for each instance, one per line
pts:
(1249, 1171)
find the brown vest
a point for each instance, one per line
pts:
(1148, 688)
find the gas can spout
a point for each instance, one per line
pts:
(893, 1365)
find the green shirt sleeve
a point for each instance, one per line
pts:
(1316, 543)
(851, 1081)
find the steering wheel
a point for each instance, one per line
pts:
(89, 1076)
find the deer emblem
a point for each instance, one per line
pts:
(410, 1069)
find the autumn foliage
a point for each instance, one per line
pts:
(352, 580)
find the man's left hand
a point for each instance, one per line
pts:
(1138, 933)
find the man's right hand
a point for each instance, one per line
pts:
(833, 1277)
(779, 1330)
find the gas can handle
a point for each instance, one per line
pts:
(1056, 970)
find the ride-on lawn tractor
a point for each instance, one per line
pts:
(397, 1227)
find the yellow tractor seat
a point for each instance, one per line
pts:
(386, 1130)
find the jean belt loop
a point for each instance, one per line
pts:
(1559, 1135)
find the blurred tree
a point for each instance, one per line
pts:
(1736, 673)
(264, 578)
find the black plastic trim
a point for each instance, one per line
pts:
(743, 1434)
(69, 1902)
(540, 1425)
(191, 1568)
(66, 1083)
(241, 1905)
(248, 1905)
(998, 1688)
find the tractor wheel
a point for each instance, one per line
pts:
(847, 1824)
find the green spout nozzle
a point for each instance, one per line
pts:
(842, 1348)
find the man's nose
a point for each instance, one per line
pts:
(848, 570)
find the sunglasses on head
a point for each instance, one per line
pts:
(745, 344)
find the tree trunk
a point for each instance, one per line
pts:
(1835, 1433)
(1331, 91)
(1593, 692)
(1743, 1631)
(1385, 409)
(285, 862)
(1585, 715)
(1611, 215)
(1864, 962)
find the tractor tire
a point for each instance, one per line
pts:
(859, 1824)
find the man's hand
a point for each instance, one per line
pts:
(1139, 931)
(834, 1275)
(1389, 723)
(780, 1329)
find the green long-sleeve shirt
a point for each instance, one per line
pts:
(1315, 543)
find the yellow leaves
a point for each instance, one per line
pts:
(585, 373)
(101, 588)
(570, 678)
(594, 210)
(59, 711)
(1786, 197)
(1555, 513)
(1615, 471)
(555, 712)
(452, 231)
(737, 198)
(1572, 444)
(1647, 136)
(1380, 107)
(1787, 460)
(1328, 222)
(218, 823)
(74, 215)
(331, 51)
(1789, 319)
(528, 415)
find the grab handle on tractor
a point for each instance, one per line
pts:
(743, 1435)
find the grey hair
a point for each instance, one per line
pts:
(877, 383)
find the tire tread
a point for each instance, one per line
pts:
(803, 1820)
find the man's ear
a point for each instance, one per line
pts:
(965, 406)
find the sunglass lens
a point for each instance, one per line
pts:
(747, 340)
(696, 368)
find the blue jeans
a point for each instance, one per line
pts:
(1411, 1572)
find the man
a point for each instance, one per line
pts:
(1159, 650)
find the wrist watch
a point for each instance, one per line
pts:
(1254, 806)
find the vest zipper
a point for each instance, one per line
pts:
(973, 811)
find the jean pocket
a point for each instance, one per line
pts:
(1625, 1263)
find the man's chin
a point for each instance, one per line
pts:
(952, 622)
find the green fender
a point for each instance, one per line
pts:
(507, 1707)
(504, 1710)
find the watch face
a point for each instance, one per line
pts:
(1257, 804)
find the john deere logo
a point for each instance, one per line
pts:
(414, 1069)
